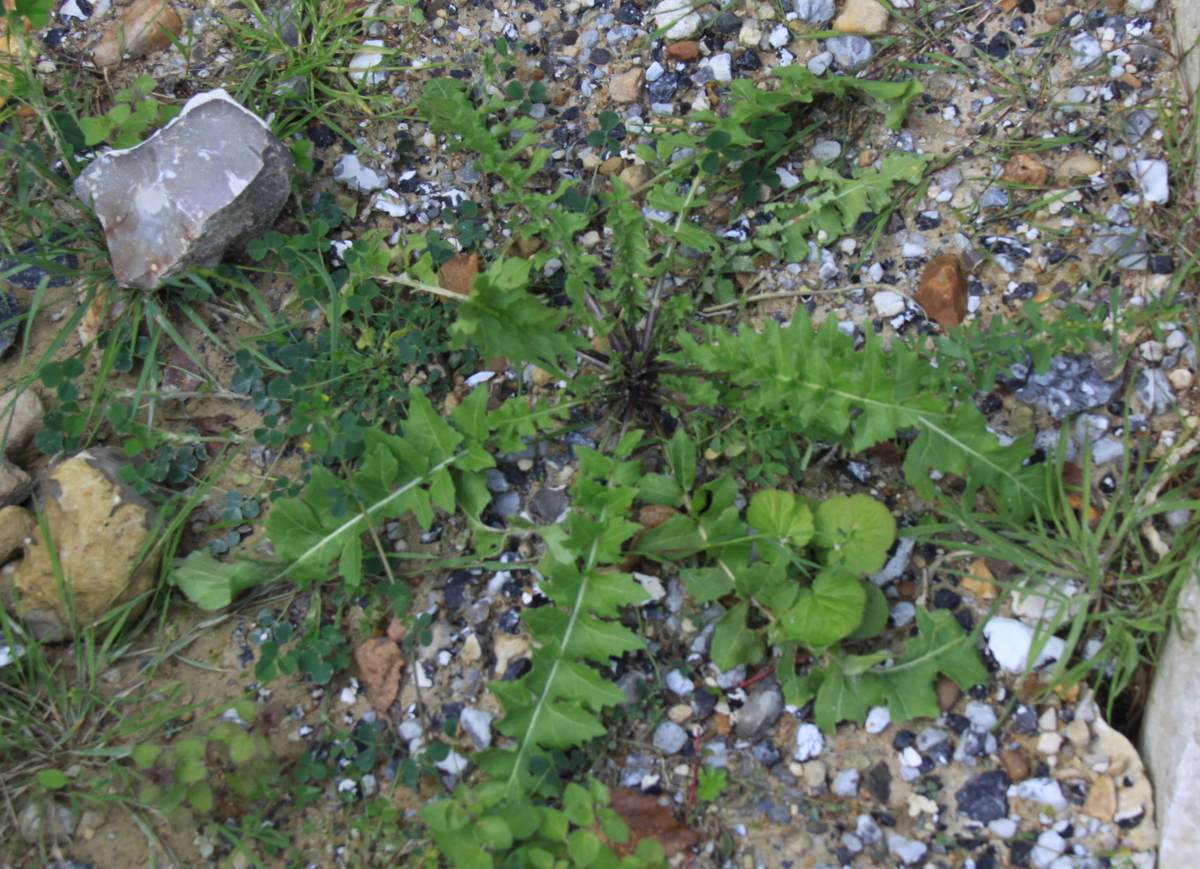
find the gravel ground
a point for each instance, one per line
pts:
(996, 781)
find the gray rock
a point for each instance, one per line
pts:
(993, 197)
(548, 504)
(15, 484)
(208, 182)
(1123, 240)
(814, 12)
(477, 724)
(507, 504)
(1155, 391)
(9, 312)
(1071, 384)
(669, 738)
(850, 53)
(761, 710)
(1137, 124)
(845, 783)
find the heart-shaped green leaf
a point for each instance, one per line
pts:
(854, 533)
(828, 611)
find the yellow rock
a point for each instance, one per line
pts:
(99, 528)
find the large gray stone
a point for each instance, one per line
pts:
(208, 182)
(1171, 735)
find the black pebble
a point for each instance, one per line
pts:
(454, 594)
(958, 723)
(1000, 45)
(945, 599)
(878, 781)
(929, 220)
(727, 22)
(1161, 264)
(320, 135)
(600, 56)
(1018, 852)
(509, 621)
(747, 61)
(903, 739)
(984, 798)
(516, 670)
(629, 14)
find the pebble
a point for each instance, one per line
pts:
(679, 19)
(679, 683)
(826, 150)
(1154, 390)
(363, 62)
(1049, 743)
(862, 16)
(850, 53)
(814, 12)
(1153, 179)
(910, 851)
(980, 714)
(453, 764)
(1050, 846)
(750, 33)
(1046, 791)
(627, 87)
(1085, 50)
(845, 783)
(779, 36)
(721, 66)
(1009, 642)
(363, 179)
(669, 737)
(984, 798)
(889, 303)
(820, 64)
(477, 724)
(878, 719)
(810, 742)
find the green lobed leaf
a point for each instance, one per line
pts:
(734, 642)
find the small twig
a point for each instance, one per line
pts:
(422, 286)
(1161, 549)
(691, 800)
(713, 310)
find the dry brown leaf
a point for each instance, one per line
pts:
(380, 664)
(653, 515)
(458, 273)
(646, 819)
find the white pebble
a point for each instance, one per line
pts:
(1010, 642)
(810, 742)
(889, 303)
(878, 719)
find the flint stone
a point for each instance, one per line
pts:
(984, 798)
(208, 182)
(1070, 385)
(761, 710)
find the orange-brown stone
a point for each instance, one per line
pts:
(942, 292)
(687, 51)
